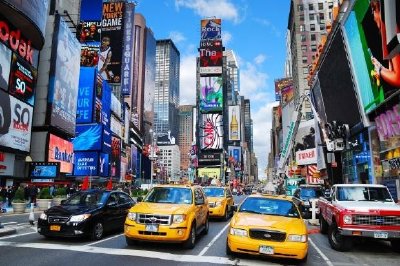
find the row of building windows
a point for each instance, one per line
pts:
(311, 6)
(312, 27)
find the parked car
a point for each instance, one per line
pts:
(169, 213)
(220, 201)
(86, 213)
(268, 225)
(303, 196)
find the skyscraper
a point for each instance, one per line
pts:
(185, 134)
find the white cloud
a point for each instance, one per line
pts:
(252, 81)
(260, 59)
(187, 82)
(226, 37)
(223, 9)
(176, 36)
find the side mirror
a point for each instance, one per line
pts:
(139, 199)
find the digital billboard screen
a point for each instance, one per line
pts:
(210, 29)
(211, 132)
(211, 57)
(211, 94)
(5, 59)
(115, 156)
(104, 164)
(234, 122)
(43, 170)
(62, 151)
(86, 163)
(88, 137)
(84, 110)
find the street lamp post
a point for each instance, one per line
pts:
(153, 155)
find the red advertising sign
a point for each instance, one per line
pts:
(211, 57)
(61, 150)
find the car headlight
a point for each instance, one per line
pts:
(347, 219)
(132, 216)
(43, 216)
(297, 238)
(79, 218)
(178, 218)
(218, 203)
(238, 232)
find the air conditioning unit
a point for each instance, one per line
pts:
(339, 144)
(330, 145)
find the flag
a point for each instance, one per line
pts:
(85, 184)
(109, 184)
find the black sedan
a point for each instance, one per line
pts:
(86, 213)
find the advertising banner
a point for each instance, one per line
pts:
(16, 123)
(7, 164)
(112, 31)
(134, 160)
(64, 78)
(235, 157)
(106, 146)
(126, 81)
(281, 84)
(210, 29)
(234, 122)
(211, 132)
(43, 170)
(90, 54)
(84, 111)
(210, 57)
(209, 173)
(86, 163)
(62, 151)
(5, 59)
(116, 106)
(211, 94)
(115, 156)
(88, 137)
(207, 158)
(116, 126)
(305, 143)
(105, 105)
(104, 165)
(388, 126)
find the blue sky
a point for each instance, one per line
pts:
(254, 29)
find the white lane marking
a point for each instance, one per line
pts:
(324, 257)
(213, 241)
(105, 239)
(9, 223)
(17, 235)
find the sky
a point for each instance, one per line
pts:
(254, 29)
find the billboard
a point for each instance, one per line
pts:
(64, 78)
(104, 165)
(210, 57)
(235, 157)
(209, 173)
(115, 159)
(211, 132)
(281, 84)
(43, 170)
(211, 94)
(112, 31)
(84, 110)
(15, 123)
(106, 142)
(62, 151)
(86, 163)
(304, 146)
(372, 30)
(388, 125)
(88, 137)
(126, 75)
(7, 164)
(210, 29)
(5, 59)
(234, 122)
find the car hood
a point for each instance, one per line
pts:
(160, 208)
(260, 221)
(369, 205)
(67, 210)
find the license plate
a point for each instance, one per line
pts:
(380, 235)
(266, 250)
(152, 227)
(55, 227)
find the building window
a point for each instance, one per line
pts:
(300, 7)
(305, 70)
(301, 17)
(303, 38)
(313, 37)
(321, 16)
(305, 59)
(320, 6)
(313, 47)
(312, 16)
(304, 48)
(322, 27)
(312, 27)
(310, 7)
(302, 27)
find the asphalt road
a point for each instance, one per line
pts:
(27, 247)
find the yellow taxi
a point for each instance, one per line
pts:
(169, 213)
(220, 201)
(268, 225)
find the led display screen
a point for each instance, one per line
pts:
(211, 94)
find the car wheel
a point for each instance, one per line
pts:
(228, 249)
(323, 225)
(97, 231)
(206, 226)
(395, 243)
(130, 242)
(337, 241)
(226, 215)
(190, 242)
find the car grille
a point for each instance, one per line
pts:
(154, 219)
(57, 219)
(376, 220)
(267, 235)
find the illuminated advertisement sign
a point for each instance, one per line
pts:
(234, 122)
(211, 91)
(86, 163)
(22, 80)
(214, 157)
(134, 159)
(235, 157)
(62, 151)
(112, 31)
(115, 156)
(104, 166)
(388, 124)
(88, 137)
(105, 104)
(126, 81)
(5, 58)
(43, 170)
(372, 30)
(284, 90)
(7, 164)
(211, 132)
(106, 144)
(210, 57)
(84, 111)
(210, 29)
(64, 78)
(16, 123)
(90, 54)
(304, 146)
(209, 172)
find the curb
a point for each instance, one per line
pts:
(7, 231)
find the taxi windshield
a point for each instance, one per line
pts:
(268, 206)
(214, 192)
(172, 195)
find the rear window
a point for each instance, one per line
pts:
(311, 193)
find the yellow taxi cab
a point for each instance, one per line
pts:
(268, 225)
(169, 213)
(220, 201)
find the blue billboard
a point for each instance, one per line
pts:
(104, 164)
(47, 170)
(106, 143)
(84, 111)
(86, 163)
(106, 104)
(87, 137)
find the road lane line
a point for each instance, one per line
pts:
(213, 241)
(9, 223)
(105, 239)
(324, 257)
(17, 235)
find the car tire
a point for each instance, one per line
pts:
(337, 241)
(323, 225)
(206, 226)
(395, 243)
(97, 231)
(129, 241)
(191, 241)
(228, 250)
(304, 260)
(226, 214)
